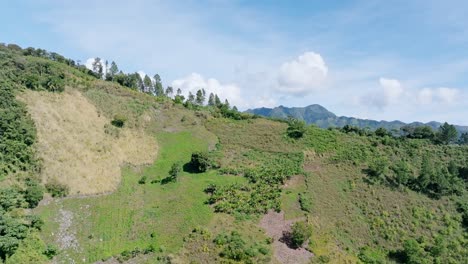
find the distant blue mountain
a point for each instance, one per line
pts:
(320, 116)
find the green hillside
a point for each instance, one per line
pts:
(147, 177)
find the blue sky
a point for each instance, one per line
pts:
(405, 60)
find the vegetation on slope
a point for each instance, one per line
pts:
(361, 196)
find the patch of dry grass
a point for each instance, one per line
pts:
(74, 147)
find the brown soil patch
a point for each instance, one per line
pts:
(275, 225)
(74, 147)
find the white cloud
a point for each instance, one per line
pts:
(392, 90)
(195, 81)
(303, 75)
(89, 64)
(444, 95)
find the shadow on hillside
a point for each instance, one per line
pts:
(188, 167)
(286, 238)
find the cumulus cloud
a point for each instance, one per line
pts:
(195, 81)
(303, 75)
(392, 90)
(437, 95)
(392, 93)
(389, 92)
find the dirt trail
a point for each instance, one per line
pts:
(275, 225)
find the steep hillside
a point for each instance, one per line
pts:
(155, 179)
(318, 115)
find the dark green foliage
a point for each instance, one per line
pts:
(119, 121)
(143, 179)
(57, 189)
(447, 134)
(382, 132)
(12, 231)
(33, 193)
(420, 132)
(296, 128)
(51, 251)
(200, 161)
(176, 168)
(305, 202)
(174, 172)
(463, 139)
(11, 198)
(263, 190)
(234, 247)
(300, 233)
(17, 134)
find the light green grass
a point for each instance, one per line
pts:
(141, 215)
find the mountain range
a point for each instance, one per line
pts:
(320, 116)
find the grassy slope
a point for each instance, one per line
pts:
(347, 213)
(127, 218)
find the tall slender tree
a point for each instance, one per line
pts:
(147, 84)
(97, 66)
(159, 90)
(169, 91)
(200, 99)
(211, 100)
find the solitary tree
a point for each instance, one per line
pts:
(296, 128)
(148, 84)
(97, 66)
(191, 98)
(447, 133)
(300, 232)
(217, 101)
(113, 70)
(200, 98)
(159, 90)
(169, 91)
(211, 100)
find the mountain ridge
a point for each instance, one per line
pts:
(322, 117)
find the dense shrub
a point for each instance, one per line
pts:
(200, 161)
(119, 121)
(33, 193)
(175, 170)
(57, 189)
(300, 233)
(296, 128)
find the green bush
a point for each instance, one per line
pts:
(300, 232)
(175, 170)
(200, 161)
(119, 121)
(296, 128)
(51, 251)
(33, 193)
(57, 189)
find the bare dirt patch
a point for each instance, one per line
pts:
(73, 144)
(275, 226)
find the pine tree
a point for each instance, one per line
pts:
(211, 100)
(159, 90)
(226, 104)
(191, 98)
(148, 84)
(113, 70)
(169, 91)
(200, 99)
(97, 67)
(217, 101)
